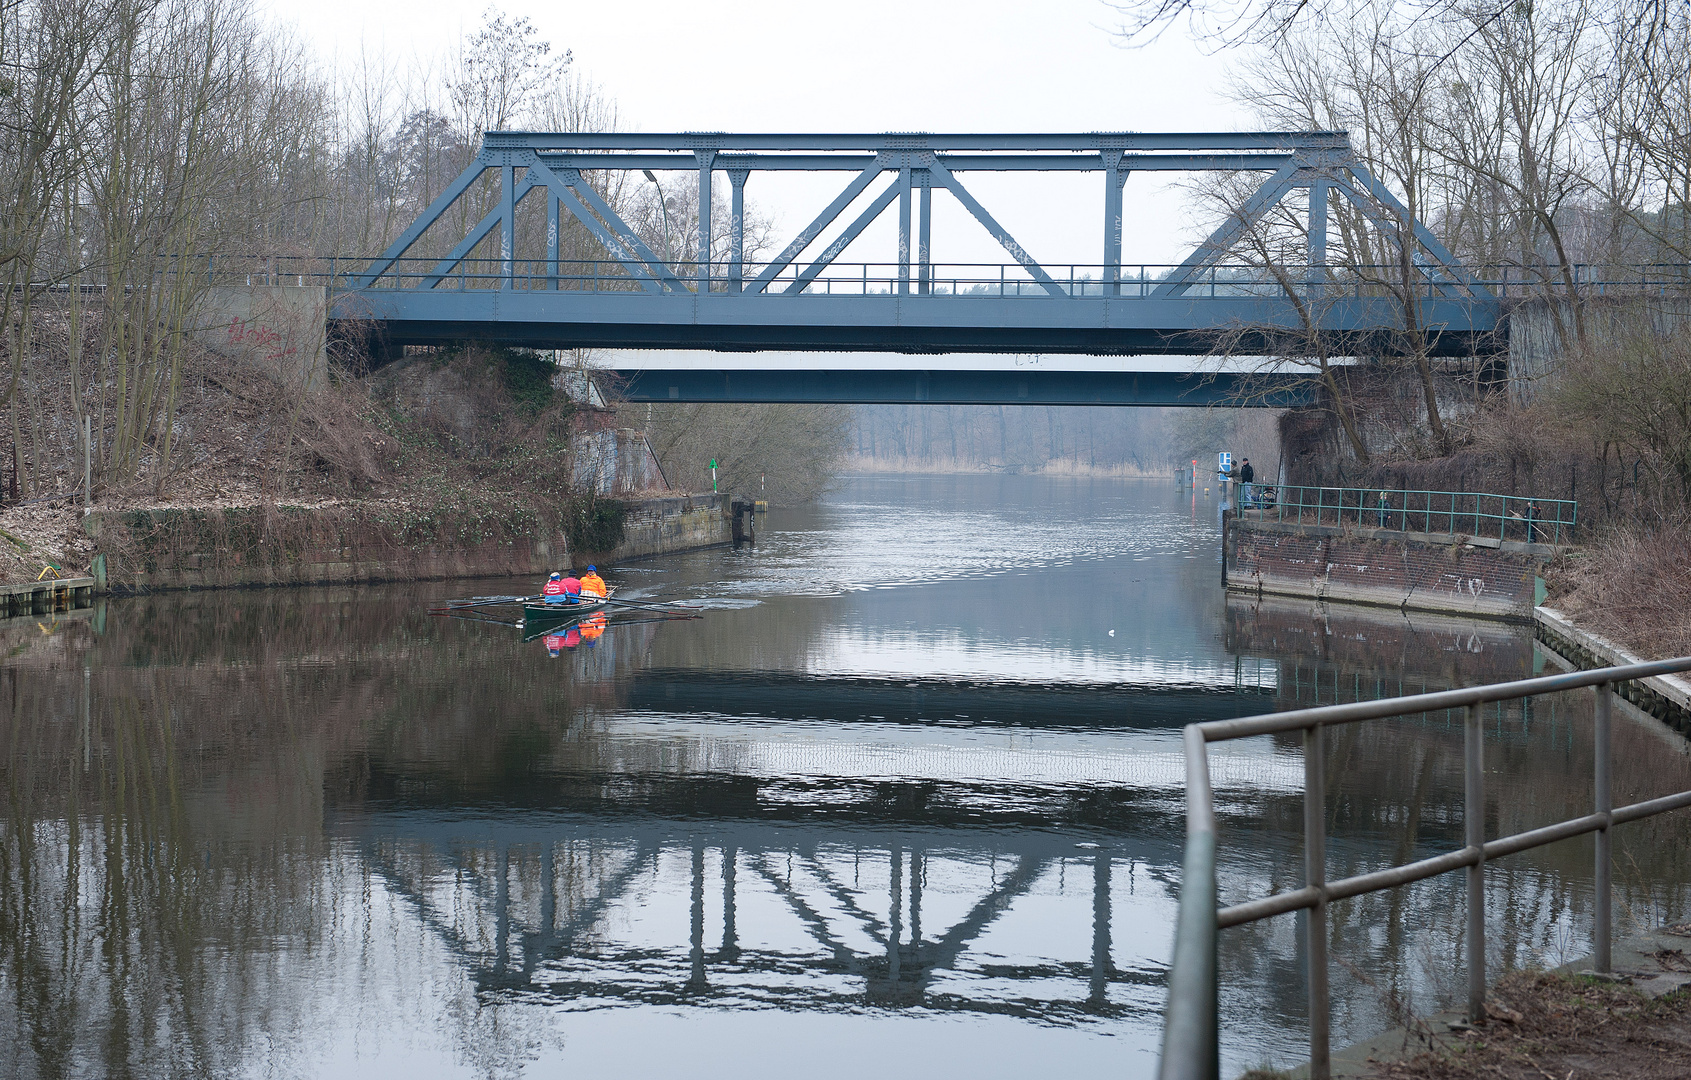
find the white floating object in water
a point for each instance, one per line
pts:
(1112, 633)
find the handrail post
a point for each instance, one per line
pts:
(1315, 875)
(1473, 820)
(1601, 958)
(1191, 1030)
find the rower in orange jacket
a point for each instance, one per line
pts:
(592, 584)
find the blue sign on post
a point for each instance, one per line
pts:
(1223, 465)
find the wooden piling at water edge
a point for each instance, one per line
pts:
(743, 513)
(45, 597)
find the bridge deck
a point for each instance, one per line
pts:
(1096, 326)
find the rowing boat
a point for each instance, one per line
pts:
(539, 613)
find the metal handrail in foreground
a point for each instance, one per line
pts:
(1191, 1033)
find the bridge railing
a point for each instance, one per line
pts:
(1191, 1024)
(997, 280)
(1466, 513)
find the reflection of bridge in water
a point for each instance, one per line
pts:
(570, 909)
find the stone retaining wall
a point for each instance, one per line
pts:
(668, 525)
(147, 550)
(1376, 566)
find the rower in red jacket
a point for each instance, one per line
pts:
(561, 590)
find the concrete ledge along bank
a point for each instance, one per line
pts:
(146, 550)
(1384, 567)
(45, 597)
(1666, 697)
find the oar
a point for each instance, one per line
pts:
(487, 601)
(474, 616)
(662, 605)
(642, 622)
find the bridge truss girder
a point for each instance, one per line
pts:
(721, 305)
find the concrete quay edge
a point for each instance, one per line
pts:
(1594, 650)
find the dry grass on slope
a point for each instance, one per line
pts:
(1633, 586)
(1559, 1027)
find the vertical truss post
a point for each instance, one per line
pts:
(904, 231)
(548, 889)
(895, 923)
(1099, 994)
(502, 912)
(924, 235)
(697, 980)
(508, 224)
(1317, 238)
(737, 229)
(706, 159)
(916, 871)
(1112, 221)
(553, 220)
(730, 935)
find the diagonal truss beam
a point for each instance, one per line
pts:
(429, 217)
(1390, 228)
(1423, 235)
(475, 236)
(843, 241)
(810, 232)
(813, 920)
(1228, 232)
(637, 268)
(872, 924)
(950, 945)
(999, 233)
(625, 246)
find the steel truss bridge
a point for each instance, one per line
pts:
(806, 299)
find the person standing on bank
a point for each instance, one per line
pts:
(1246, 476)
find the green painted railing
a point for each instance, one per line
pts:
(1463, 513)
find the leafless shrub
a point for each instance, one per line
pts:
(1634, 586)
(786, 452)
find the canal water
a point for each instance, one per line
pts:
(906, 800)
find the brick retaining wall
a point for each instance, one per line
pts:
(1333, 564)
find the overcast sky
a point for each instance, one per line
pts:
(870, 66)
